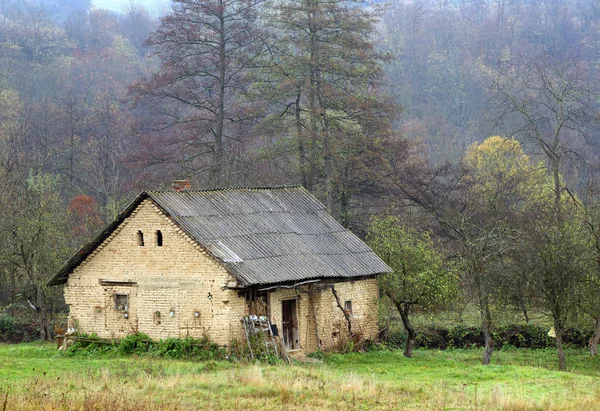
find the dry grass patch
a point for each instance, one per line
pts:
(520, 380)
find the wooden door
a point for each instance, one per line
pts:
(289, 324)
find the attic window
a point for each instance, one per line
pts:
(348, 307)
(140, 238)
(121, 302)
(158, 238)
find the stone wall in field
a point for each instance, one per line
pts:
(171, 290)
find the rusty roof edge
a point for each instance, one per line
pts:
(72, 263)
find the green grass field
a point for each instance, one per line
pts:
(35, 376)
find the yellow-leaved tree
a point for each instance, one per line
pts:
(498, 185)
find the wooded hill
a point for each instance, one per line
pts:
(373, 108)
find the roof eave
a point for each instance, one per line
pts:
(245, 286)
(62, 276)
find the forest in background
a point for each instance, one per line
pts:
(374, 108)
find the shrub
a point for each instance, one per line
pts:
(525, 336)
(465, 337)
(141, 344)
(262, 349)
(7, 324)
(576, 337)
(137, 343)
(90, 345)
(432, 337)
(188, 347)
(238, 350)
(396, 339)
(512, 335)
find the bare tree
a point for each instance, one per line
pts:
(551, 104)
(205, 48)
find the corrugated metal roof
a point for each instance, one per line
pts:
(270, 235)
(261, 235)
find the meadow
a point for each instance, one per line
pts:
(35, 376)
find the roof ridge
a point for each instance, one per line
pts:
(237, 188)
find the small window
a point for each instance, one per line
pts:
(121, 302)
(158, 238)
(140, 238)
(348, 307)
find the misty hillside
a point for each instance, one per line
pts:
(379, 111)
(435, 66)
(120, 5)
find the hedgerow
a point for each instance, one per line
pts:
(512, 335)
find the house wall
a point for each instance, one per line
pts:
(316, 302)
(178, 277)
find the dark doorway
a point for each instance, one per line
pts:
(289, 323)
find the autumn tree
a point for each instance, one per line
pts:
(496, 185)
(85, 216)
(205, 48)
(138, 24)
(421, 276)
(551, 104)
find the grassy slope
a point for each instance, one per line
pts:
(519, 379)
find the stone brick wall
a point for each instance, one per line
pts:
(317, 302)
(178, 277)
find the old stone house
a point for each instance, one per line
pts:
(178, 263)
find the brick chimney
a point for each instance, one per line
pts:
(181, 185)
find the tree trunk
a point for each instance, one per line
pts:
(41, 309)
(524, 308)
(489, 345)
(344, 202)
(314, 129)
(347, 315)
(304, 166)
(595, 339)
(327, 147)
(220, 120)
(404, 310)
(486, 319)
(558, 329)
(556, 178)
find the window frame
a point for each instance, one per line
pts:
(348, 307)
(119, 296)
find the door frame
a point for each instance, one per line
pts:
(295, 326)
